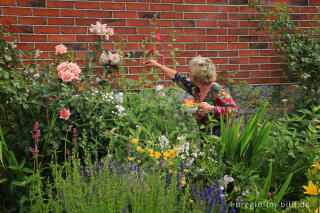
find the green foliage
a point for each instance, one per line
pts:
(299, 49)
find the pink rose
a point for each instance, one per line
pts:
(158, 36)
(161, 56)
(67, 76)
(61, 49)
(65, 114)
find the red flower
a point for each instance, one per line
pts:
(65, 114)
(158, 37)
(152, 50)
(161, 56)
(148, 86)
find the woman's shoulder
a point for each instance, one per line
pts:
(215, 87)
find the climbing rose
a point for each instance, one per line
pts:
(61, 49)
(101, 29)
(158, 36)
(65, 114)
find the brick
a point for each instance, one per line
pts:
(239, 17)
(114, 22)
(25, 47)
(206, 23)
(258, 60)
(217, 1)
(269, 67)
(168, 15)
(8, 20)
(249, 53)
(299, 2)
(164, 23)
(228, 23)
(135, 7)
(124, 14)
(86, 38)
(178, 1)
(277, 74)
(229, 9)
(260, 74)
(252, 81)
(113, 6)
(246, 9)
(181, 23)
(21, 29)
(217, 31)
(135, 38)
(238, 46)
(77, 46)
(87, 5)
(45, 46)
(228, 39)
(194, 31)
(46, 12)
(161, 7)
(217, 46)
(238, 31)
(227, 53)
(258, 32)
(46, 30)
(207, 8)
(148, 15)
(194, 16)
(8, 3)
(258, 46)
(197, 46)
(249, 67)
(61, 38)
(60, 4)
(75, 13)
(31, 3)
(242, 75)
(33, 38)
(203, 38)
(185, 8)
(60, 21)
(314, 3)
(238, 2)
(138, 22)
(229, 67)
(126, 30)
(269, 80)
(32, 20)
(217, 16)
(73, 30)
(238, 60)
(86, 21)
(17, 11)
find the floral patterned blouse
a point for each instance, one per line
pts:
(217, 97)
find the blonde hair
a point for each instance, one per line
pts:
(203, 70)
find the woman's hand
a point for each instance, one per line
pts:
(205, 107)
(151, 63)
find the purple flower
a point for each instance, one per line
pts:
(34, 151)
(36, 133)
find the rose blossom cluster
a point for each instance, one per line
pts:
(111, 58)
(61, 49)
(101, 29)
(68, 71)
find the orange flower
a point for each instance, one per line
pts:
(65, 114)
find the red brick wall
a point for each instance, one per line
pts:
(218, 29)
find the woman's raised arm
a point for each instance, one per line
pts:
(167, 71)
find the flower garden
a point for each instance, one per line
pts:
(84, 138)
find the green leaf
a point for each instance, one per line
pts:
(3, 180)
(283, 190)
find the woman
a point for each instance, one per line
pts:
(213, 98)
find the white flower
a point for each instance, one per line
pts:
(101, 29)
(114, 59)
(227, 179)
(120, 108)
(245, 192)
(159, 87)
(181, 138)
(164, 142)
(183, 157)
(137, 126)
(36, 75)
(37, 53)
(119, 97)
(236, 189)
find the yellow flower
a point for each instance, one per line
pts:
(176, 149)
(149, 142)
(150, 151)
(183, 181)
(172, 154)
(318, 126)
(317, 210)
(191, 201)
(158, 162)
(139, 149)
(130, 158)
(170, 162)
(165, 158)
(157, 155)
(186, 170)
(139, 161)
(311, 189)
(166, 154)
(316, 166)
(134, 140)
